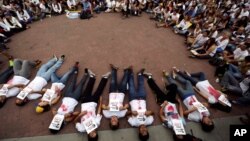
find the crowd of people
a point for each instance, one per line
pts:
(216, 30)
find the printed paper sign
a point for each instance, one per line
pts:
(224, 100)
(141, 115)
(114, 105)
(178, 127)
(56, 123)
(23, 94)
(200, 107)
(4, 90)
(49, 95)
(90, 125)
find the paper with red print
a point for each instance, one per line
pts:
(49, 95)
(178, 127)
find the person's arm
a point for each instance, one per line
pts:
(201, 94)
(54, 101)
(100, 106)
(104, 107)
(149, 113)
(189, 111)
(71, 116)
(161, 114)
(181, 112)
(17, 85)
(54, 112)
(79, 116)
(126, 106)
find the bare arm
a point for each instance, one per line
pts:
(180, 108)
(79, 116)
(201, 94)
(189, 111)
(100, 106)
(149, 113)
(54, 101)
(126, 106)
(161, 114)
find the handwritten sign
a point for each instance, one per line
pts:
(49, 95)
(178, 127)
(56, 123)
(114, 105)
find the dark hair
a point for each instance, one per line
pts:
(143, 137)
(247, 58)
(207, 128)
(21, 104)
(114, 127)
(2, 103)
(93, 138)
(46, 108)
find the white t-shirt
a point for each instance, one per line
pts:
(119, 97)
(16, 80)
(239, 54)
(207, 89)
(68, 105)
(195, 115)
(60, 86)
(171, 112)
(36, 85)
(90, 107)
(139, 105)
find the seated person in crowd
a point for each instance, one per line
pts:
(23, 16)
(72, 4)
(22, 71)
(53, 95)
(183, 26)
(200, 40)
(140, 117)
(188, 97)
(87, 11)
(56, 7)
(115, 109)
(34, 89)
(89, 104)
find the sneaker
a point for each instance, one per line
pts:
(106, 75)
(147, 74)
(62, 57)
(141, 71)
(165, 73)
(175, 69)
(113, 67)
(37, 63)
(129, 68)
(54, 56)
(76, 65)
(91, 74)
(11, 63)
(187, 73)
(174, 74)
(217, 80)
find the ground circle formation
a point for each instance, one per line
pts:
(96, 43)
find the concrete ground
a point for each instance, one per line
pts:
(157, 133)
(96, 43)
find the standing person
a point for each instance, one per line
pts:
(53, 95)
(140, 117)
(115, 109)
(88, 120)
(70, 100)
(22, 71)
(188, 97)
(34, 89)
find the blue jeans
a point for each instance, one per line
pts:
(194, 78)
(140, 93)
(185, 90)
(113, 83)
(235, 71)
(50, 67)
(55, 78)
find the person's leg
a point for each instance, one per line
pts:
(141, 89)
(4, 76)
(187, 77)
(158, 92)
(87, 94)
(99, 90)
(54, 78)
(66, 76)
(187, 84)
(77, 93)
(229, 79)
(235, 71)
(47, 74)
(199, 75)
(17, 66)
(71, 85)
(113, 82)
(26, 68)
(123, 85)
(132, 92)
(46, 66)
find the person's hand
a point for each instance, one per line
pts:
(126, 106)
(135, 113)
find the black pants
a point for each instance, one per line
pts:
(87, 94)
(74, 91)
(114, 85)
(4, 76)
(160, 95)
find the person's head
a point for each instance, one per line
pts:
(2, 101)
(143, 133)
(242, 46)
(247, 59)
(114, 123)
(19, 102)
(205, 33)
(42, 107)
(207, 124)
(93, 136)
(241, 29)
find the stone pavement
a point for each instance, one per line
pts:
(157, 133)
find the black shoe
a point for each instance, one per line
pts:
(62, 57)
(113, 67)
